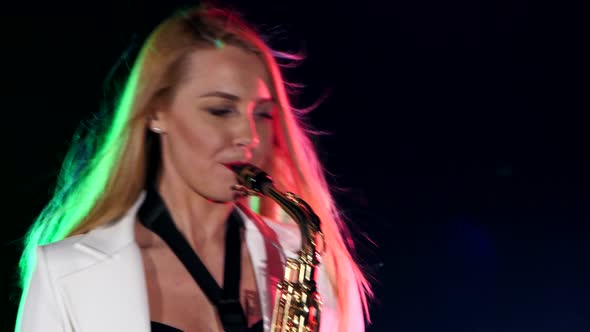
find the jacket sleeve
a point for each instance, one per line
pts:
(40, 308)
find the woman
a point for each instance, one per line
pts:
(205, 94)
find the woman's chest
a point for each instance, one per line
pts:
(178, 300)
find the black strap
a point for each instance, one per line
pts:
(154, 215)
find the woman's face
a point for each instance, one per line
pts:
(220, 113)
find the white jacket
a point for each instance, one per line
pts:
(95, 282)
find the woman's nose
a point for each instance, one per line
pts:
(247, 142)
(247, 135)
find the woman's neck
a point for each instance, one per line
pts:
(200, 220)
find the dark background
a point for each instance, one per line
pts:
(458, 130)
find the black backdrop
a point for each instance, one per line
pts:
(457, 129)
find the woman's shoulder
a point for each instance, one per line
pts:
(61, 257)
(83, 250)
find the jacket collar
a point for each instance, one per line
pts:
(107, 240)
(114, 286)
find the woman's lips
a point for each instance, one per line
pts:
(233, 166)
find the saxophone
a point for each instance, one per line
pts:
(297, 305)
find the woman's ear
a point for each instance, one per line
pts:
(156, 118)
(155, 123)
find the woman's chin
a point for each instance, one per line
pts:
(226, 196)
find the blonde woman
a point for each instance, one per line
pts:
(149, 233)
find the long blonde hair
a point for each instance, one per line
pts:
(103, 175)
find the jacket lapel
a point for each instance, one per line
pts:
(109, 295)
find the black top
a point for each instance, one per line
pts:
(154, 215)
(160, 327)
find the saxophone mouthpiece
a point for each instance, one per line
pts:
(251, 177)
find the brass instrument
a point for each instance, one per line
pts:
(297, 305)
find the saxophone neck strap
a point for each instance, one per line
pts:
(154, 215)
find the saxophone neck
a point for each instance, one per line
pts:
(254, 181)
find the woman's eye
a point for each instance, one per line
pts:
(265, 115)
(265, 111)
(219, 111)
